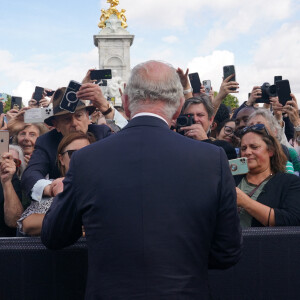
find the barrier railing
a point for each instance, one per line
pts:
(268, 269)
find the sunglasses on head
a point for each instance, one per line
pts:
(260, 128)
(70, 152)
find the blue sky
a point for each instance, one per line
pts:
(47, 43)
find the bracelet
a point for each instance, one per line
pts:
(269, 216)
(109, 110)
(190, 90)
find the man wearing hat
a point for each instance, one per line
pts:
(43, 160)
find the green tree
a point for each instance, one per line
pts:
(7, 104)
(230, 100)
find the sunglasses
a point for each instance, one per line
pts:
(70, 152)
(259, 128)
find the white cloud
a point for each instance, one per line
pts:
(171, 39)
(45, 70)
(210, 67)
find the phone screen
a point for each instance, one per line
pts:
(16, 102)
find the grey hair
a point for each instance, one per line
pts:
(273, 123)
(204, 99)
(21, 158)
(151, 82)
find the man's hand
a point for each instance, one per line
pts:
(91, 91)
(11, 114)
(44, 102)
(32, 103)
(7, 167)
(184, 78)
(195, 131)
(291, 108)
(255, 94)
(57, 186)
(277, 108)
(227, 87)
(87, 77)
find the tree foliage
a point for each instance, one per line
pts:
(230, 100)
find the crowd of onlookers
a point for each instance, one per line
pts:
(33, 169)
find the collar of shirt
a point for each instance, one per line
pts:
(151, 115)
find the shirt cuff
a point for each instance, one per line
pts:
(38, 189)
(120, 120)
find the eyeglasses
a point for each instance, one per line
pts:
(70, 152)
(228, 130)
(260, 128)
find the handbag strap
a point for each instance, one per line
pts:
(251, 193)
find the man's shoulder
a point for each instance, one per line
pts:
(99, 131)
(49, 137)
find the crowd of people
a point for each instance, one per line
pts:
(268, 136)
(35, 169)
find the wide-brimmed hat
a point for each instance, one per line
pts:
(57, 111)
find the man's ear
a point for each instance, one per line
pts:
(214, 125)
(125, 102)
(54, 124)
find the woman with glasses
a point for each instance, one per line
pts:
(225, 132)
(266, 195)
(31, 220)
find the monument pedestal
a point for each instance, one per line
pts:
(114, 43)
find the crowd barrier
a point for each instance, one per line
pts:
(268, 269)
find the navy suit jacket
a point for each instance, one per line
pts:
(43, 160)
(158, 209)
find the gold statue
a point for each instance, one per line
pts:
(112, 11)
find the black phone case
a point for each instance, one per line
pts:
(101, 74)
(227, 71)
(70, 106)
(16, 101)
(283, 91)
(195, 82)
(38, 94)
(1, 107)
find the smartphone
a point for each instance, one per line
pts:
(69, 101)
(49, 93)
(283, 91)
(38, 94)
(16, 102)
(277, 78)
(4, 141)
(195, 82)
(227, 71)
(238, 166)
(207, 86)
(101, 74)
(1, 107)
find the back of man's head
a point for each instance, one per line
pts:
(154, 87)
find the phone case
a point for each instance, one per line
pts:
(238, 166)
(4, 141)
(195, 82)
(70, 100)
(101, 74)
(283, 91)
(38, 94)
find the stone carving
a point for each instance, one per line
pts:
(106, 14)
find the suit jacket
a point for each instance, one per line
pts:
(43, 160)
(281, 192)
(158, 209)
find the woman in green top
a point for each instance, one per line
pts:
(266, 195)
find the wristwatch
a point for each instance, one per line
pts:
(109, 110)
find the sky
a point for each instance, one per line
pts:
(48, 43)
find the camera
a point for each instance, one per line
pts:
(267, 91)
(185, 120)
(70, 100)
(37, 115)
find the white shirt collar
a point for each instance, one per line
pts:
(150, 114)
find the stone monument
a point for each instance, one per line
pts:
(113, 42)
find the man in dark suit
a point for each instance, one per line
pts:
(158, 208)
